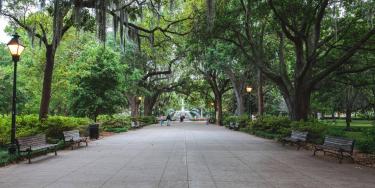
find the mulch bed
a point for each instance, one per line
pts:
(359, 158)
(365, 159)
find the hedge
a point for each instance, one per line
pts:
(28, 125)
(274, 127)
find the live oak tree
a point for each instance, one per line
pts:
(312, 31)
(204, 60)
(66, 13)
(50, 33)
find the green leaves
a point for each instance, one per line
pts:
(99, 82)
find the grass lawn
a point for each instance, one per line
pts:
(354, 123)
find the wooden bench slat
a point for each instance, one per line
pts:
(297, 137)
(74, 136)
(337, 145)
(34, 143)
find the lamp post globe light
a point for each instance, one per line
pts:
(15, 48)
(248, 90)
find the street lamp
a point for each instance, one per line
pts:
(15, 48)
(248, 90)
(140, 106)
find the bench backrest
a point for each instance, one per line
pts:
(30, 141)
(134, 124)
(339, 143)
(69, 135)
(299, 135)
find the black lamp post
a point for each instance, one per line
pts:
(140, 106)
(15, 48)
(248, 90)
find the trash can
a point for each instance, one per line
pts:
(94, 131)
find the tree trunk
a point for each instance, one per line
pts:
(298, 104)
(333, 116)
(348, 118)
(134, 106)
(218, 110)
(149, 104)
(47, 82)
(260, 94)
(240, 99)
(238, 88)
(301, 106)
(350, 98)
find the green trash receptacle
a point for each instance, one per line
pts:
(94, 131)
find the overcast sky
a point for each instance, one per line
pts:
(4, 38)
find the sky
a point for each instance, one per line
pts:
(4, 38)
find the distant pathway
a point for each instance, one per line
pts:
(187, 155)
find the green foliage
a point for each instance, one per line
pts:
(364, 137)
(98, 81)
(117, 129)
(121, 123)
(316, 130)
(147, 120)
(279, 127)
(272, 124)
(117, 123)
(242, 120)
(55, 125)
(28, 125)
(5, 158)
(366, 144)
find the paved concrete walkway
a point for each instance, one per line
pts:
(181, 156)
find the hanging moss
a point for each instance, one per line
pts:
(171, 5)
(100, 14)
(42, 3)
(122, 17)
(210, 13)
(77, 14)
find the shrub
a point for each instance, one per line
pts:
(279, 127)
(116, 129)
(228, 119)
(54, 126)
(271, 124)
(147, 120)
(316, 130)
(242, 120)
(366, 143)
(28, 125)
(117, 123)
(4, 131)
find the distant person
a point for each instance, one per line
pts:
(169, 119)
(181, 119)
(161, 120)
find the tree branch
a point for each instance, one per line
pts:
(344, 58)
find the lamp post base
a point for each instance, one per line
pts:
(12, 149)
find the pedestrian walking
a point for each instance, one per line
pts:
(161, 120)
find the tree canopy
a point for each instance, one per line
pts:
(92, 57)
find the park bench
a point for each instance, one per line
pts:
(136, 124)
(297, 137)
(234, 126)
(73, 137)
(341, 147)
(33, 144)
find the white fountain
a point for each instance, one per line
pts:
(182, 112)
